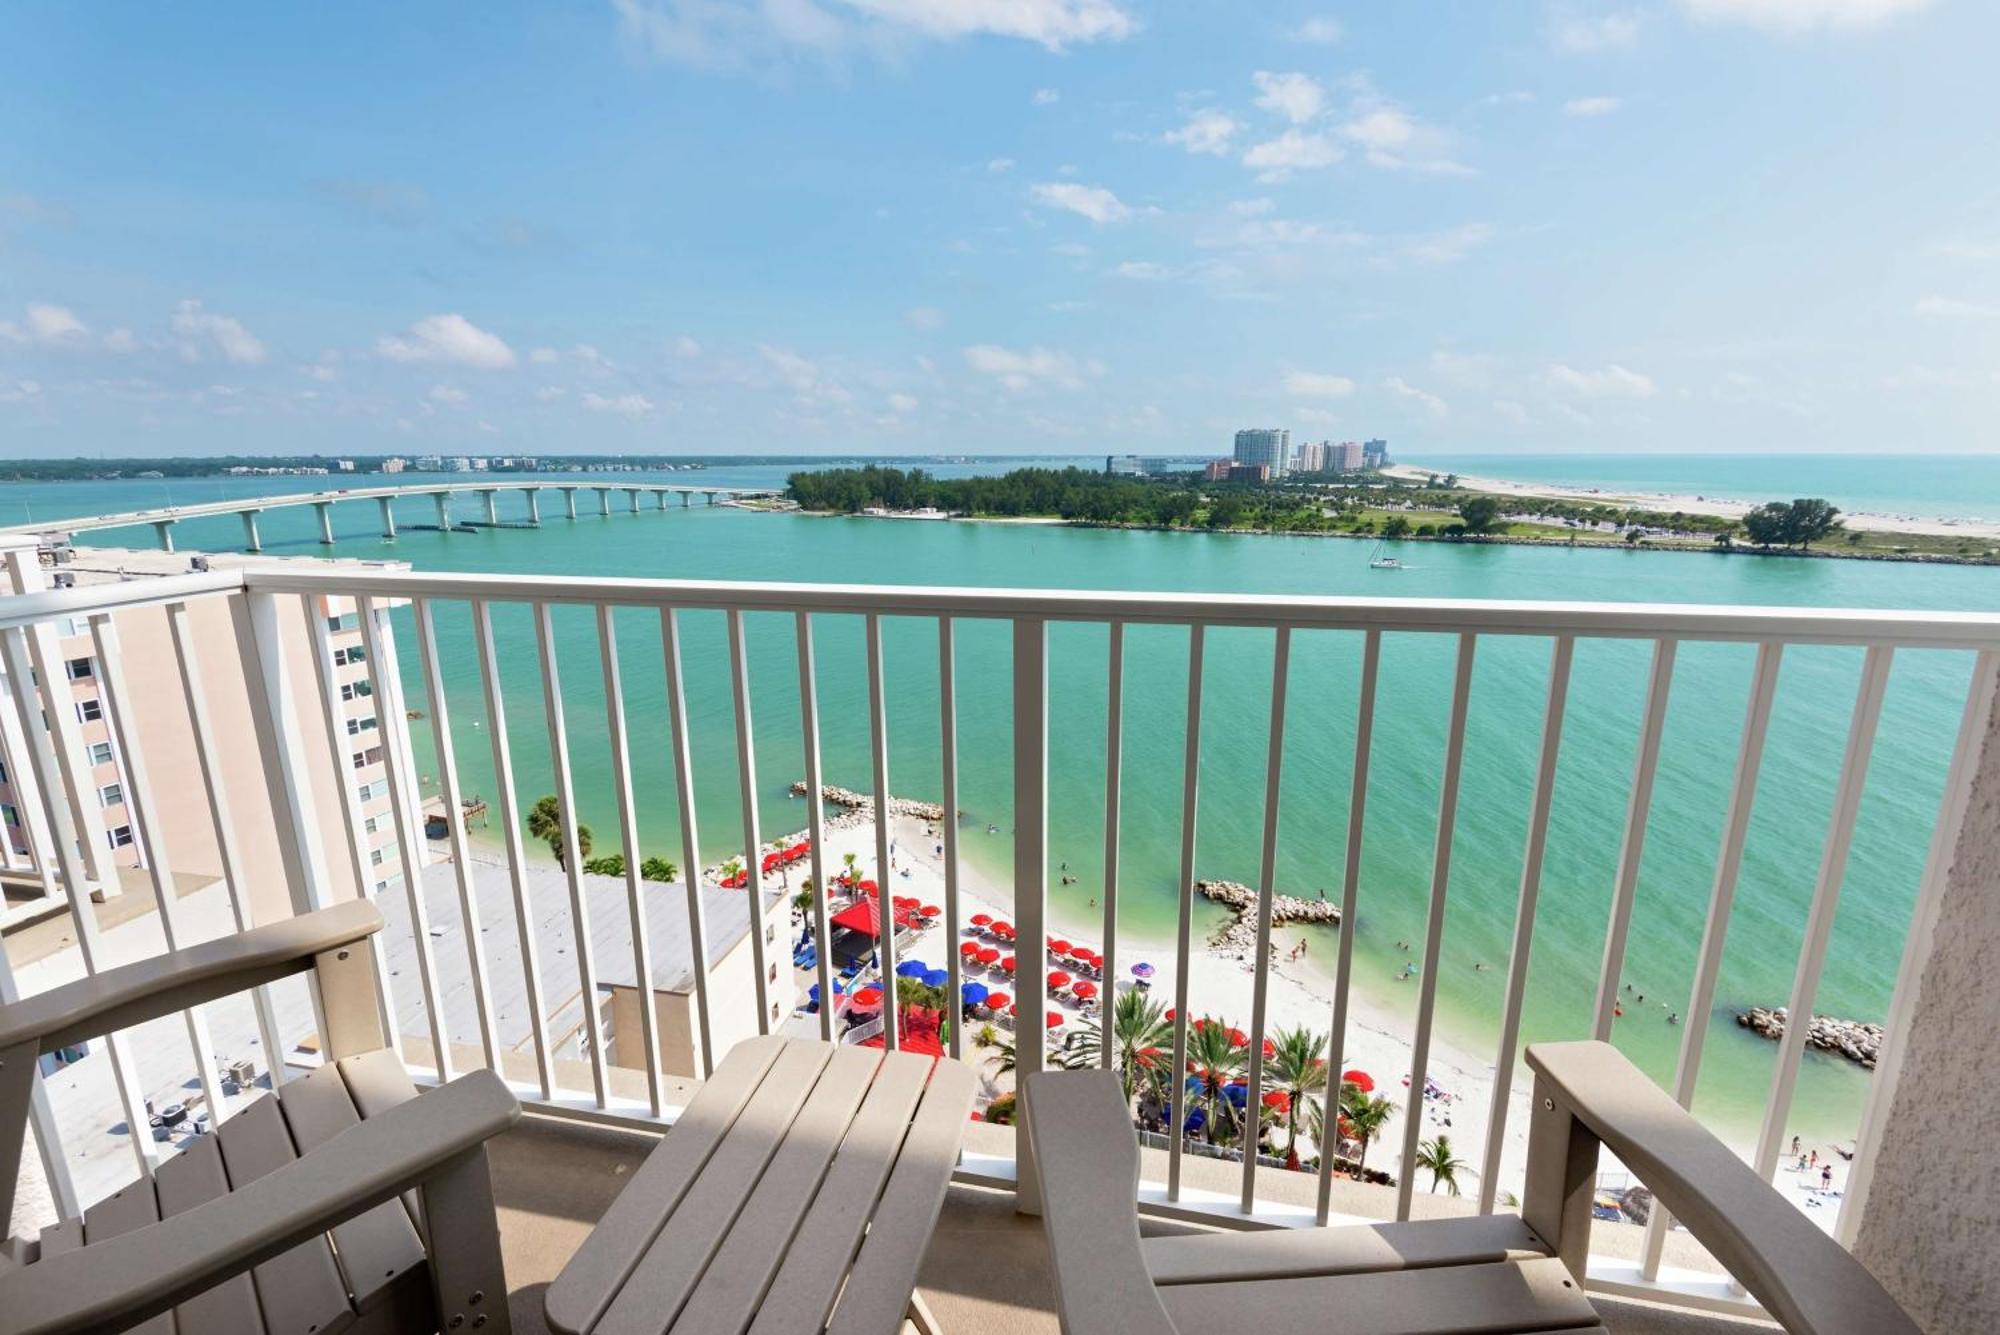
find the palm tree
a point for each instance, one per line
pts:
(1140, 1036)
(730, 868)
(1298, 1067)
(1364, 1115)
(545, 822)
(852, 876)
(803, 900)
(1213, 1061)
(1435, 1157)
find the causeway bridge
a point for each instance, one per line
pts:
(486, 493)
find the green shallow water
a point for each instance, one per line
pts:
(1705, 714)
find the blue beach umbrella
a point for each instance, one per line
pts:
(936, 978)
(1142, 970)
(972, 994)
(911, 969)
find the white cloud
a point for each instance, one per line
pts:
(19, 391)
(1093, 202)
(1143, 270)
(686, 347)
(1253, 208)
(998, 166)
(1390, 137)
(1033, 368)
(1402, 388)
(1320, 31)
(448, 394)
(1587, 34)
(122, 340)
(1795, 16)
(1046, 97)
(924, 317)
(543, 356)
(199, 331)
(1205, 132)
(629, 406)
(803, 375)
(1518, 97)
(1514, 414)
(1446, 247)
(1955, 308)
(321, 372)
(549, 393)
(447, 338)
(1276, 159)
(46, 324)
(1611, 382)
(1318, 385)
(1592, 106)
(1296, 97)
(902, 403)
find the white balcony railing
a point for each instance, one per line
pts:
(266, 651)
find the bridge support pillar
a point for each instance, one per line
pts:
(250, 538)
(534, 506)
(711, 498)
(492, 508)
(388, 517)
(659, 500)
(569, 501)
(632, 499)
(165, 528)
(604, 501)
(325, 510)
(687, 499)
(443, 499)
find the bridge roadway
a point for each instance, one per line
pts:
(164, 518)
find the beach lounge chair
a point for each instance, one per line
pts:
(1492, 1273)
(346, 1201)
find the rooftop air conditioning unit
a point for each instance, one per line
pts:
(65, 555)
(198, 563)
(65, 579)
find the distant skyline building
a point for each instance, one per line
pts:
(1269, 446)
(1218, 470)
(1311, 457)
(1346, 457)
(394, 465)
(1374, 453)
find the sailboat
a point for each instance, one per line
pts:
(1377, 561)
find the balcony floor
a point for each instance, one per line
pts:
(986, 1271)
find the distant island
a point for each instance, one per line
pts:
(1374, 505)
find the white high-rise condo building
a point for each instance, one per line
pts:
(1270, 446)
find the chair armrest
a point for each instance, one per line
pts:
(123, 1280)
(1804, 1279)
(1087, 1162)
(146, 989)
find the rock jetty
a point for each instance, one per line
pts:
(1238, 939)
(862, 807)
(1855, 1040)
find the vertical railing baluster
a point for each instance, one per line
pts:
(878, 755)
(753, 840)
(117, 704)
(525, 927)
(628, 836)
(409, 834)
(312, 606)
(29, 801)
(948, 760)
(1659, 682)
(1350, 895)
(1183, 952)
(1721, 898)
(261, 644)
(579, 908)
(461, 845)
(1267, 890)
(235, 884)
(670, 639)
(1825, 901)
(48, 1137)
(1454, 757)
(1524, 920)
(1114, 778)
(815, 821)
(1953, 806)
(21, 679)
(1031, 874)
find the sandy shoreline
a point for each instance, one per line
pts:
(1696, 505)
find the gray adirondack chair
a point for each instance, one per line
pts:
(346, 1202)
(1493, 1273)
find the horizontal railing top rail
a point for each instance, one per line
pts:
(1793, 625)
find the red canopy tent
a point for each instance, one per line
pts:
(866, 917)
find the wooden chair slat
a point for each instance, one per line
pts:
(194, 1177)
(1205, 1258)
(373, 1249)
(300, 1291)
(123, 1211)
(1513, 1296)
(885, 1273)
(741, 1272)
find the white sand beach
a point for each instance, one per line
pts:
(1696, 505)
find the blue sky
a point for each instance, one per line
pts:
(911, 226)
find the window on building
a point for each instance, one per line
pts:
(368, 792)
(351, 654)
(357, 726)
(373, 823)
(81, 669)
(111, 794)
(381, 886)
(3, 774)
(100, 753)
(356, 690)
(10, 815)
(120, 837)
(376, 857)
(89, 711)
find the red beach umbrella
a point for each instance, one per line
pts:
(981, 919)
(969, 948)
(989, 956)
(1058, 946)
(1058, 979)
(1086, 988)
(931, 910)
(1173, 1015)
(1360, 1079)
(997, 1001)
(1055, 1019)
(1270, 1049)
(1007, 963)
(1238, 1039)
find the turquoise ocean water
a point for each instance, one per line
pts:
(1705, 714)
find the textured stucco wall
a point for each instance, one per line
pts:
(1931, 1231)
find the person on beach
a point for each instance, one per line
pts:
(1795, 1144)
(1826, 1177)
